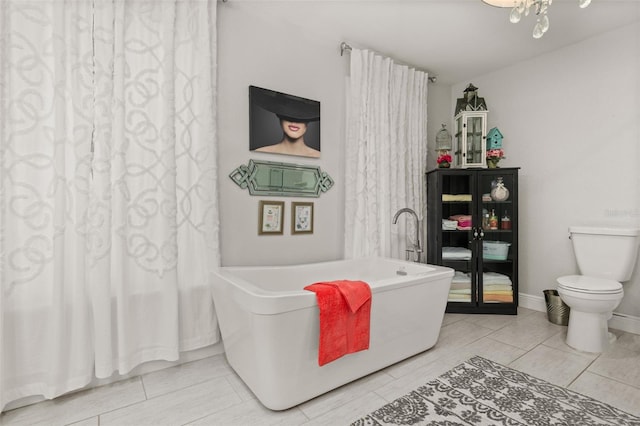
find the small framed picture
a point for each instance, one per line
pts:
(271, 217)
(301, 218)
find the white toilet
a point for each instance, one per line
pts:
(606, 257)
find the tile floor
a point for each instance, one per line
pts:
(207, 392)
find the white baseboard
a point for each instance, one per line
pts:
(622, 322)
(535, 303)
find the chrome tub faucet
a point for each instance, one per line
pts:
(416, 249)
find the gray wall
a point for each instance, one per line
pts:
(571, 122)
(257, 48)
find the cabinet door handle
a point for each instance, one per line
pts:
(481, 234)
(475, 233)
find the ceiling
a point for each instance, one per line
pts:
(454, 40)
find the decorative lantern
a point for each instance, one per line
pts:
(494, 139)
(443, 146)
(471, 101)
(471, 128)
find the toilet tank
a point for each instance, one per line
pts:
(605, 252)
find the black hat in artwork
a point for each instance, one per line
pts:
(287, 107)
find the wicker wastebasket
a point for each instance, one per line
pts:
(557, 310)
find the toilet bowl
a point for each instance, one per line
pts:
(592, 301)
(606, 258)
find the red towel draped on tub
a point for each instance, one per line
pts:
(345, 311)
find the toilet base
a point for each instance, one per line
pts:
(589, 332)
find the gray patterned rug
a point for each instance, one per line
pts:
(482, 392)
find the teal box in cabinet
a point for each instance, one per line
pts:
(495, 250)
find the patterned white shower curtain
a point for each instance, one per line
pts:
(108, 202)
(385, 154)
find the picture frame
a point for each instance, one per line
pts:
(301, 218)
(276, 117)
(271, 217)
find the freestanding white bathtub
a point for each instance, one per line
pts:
(270, 325)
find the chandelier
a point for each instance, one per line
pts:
(524, 7)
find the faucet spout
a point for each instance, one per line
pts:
(404, 210)
(417, 249)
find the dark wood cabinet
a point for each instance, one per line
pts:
(474, 230)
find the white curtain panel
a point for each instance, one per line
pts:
(385, 152)
(109, 197)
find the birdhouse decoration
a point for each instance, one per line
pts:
(494, 139)
(470, 130)
(495, 153)
(443, 146)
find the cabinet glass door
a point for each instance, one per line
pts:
(457, 235)
(496, 282)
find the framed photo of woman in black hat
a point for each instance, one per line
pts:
(283, 124)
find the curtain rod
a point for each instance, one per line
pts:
(344, 47)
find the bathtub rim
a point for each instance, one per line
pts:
(265, 302)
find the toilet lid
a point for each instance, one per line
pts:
(589, 284)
